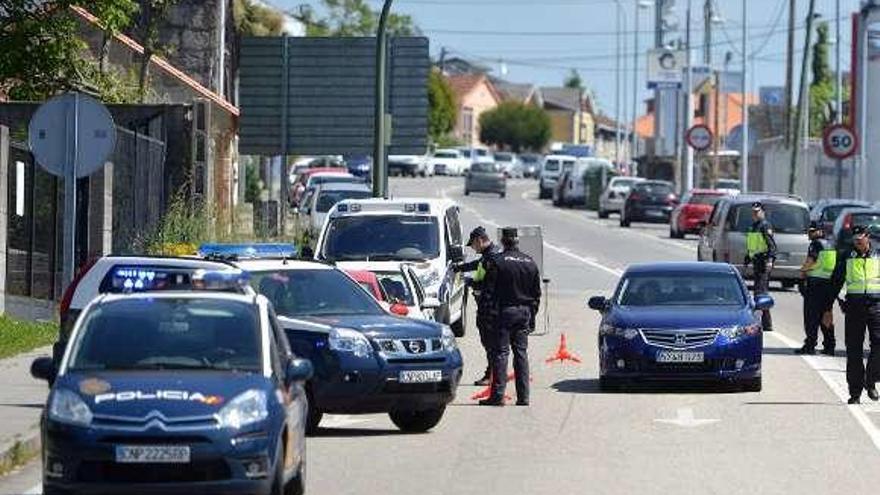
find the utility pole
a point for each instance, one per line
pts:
(687, 151)
(443, 60)
(802, 100)
(744, 156)
(708, 16)
(380, 136)
(789, 72)
(634, 145)
(838, 100)
(617, 80)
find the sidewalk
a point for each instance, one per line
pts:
(21, 402)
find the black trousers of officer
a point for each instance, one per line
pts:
(762, 286)
(486, 326)
(512, 331)
(862, 316)
(818, 300)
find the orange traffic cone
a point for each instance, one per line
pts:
(487, 392)
(563, 354)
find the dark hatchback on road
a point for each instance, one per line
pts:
(485, 178)
(649, 201)
(680, 321)
(175, 393)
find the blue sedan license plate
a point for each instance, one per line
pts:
(421, 376)
(152, 454)
(680, 357)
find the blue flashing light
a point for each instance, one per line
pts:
(248, 251)
(424, 208)
(220, 280)
(342, 208)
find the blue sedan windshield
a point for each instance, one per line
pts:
(680, 289)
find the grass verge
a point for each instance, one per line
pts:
(18, 336)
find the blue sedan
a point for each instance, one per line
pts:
(680, 321)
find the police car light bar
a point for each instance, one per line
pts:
(248, 251)
(224, 280)
(145, 279)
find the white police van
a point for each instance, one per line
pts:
(426, 233)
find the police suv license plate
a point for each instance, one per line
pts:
(421, 376)
(680, 357)
(152, 454)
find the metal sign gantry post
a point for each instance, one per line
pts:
(380, 167)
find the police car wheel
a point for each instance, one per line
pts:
(314, 416)
(417, 421)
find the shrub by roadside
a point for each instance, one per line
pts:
(17, 336)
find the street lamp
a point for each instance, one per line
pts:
(634, 146)
(380, 170)
(621, 19)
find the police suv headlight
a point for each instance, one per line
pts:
(351, 341)
(448, 339)
(737, 331)
(613, 331)
(67, 407)
(248, 408)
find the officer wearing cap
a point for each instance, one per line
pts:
(480, 242)
(859, 270)
(513, 283)
(761, 254)
(816, 288)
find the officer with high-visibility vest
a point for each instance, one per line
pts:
(761, 254)
(816, 288)
(858, 269)
(487, 313)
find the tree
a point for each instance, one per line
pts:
(442, 110)
(115, 16)
(823, 85)
(252, 19)
(351, 18)
(152, 15)
(574, 80)
(517, 126)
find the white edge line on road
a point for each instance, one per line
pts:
(858, 413)
(35, 490)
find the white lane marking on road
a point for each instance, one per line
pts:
(836, 381)
(36, 490)
(342, 420)
(686, 418)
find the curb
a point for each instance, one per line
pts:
(23, 448)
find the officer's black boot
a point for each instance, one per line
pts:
(828, 341)
(485, 380)
(872, 392)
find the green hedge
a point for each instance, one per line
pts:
(17, 336)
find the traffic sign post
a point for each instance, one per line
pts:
(699, 137)
(840, 142)
(71, 136)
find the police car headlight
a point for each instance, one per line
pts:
(448, 339)
(351, 341)
(613, 331)
(67, 407)
(247, 408)
(429, 278)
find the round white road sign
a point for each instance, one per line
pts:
(699, 137)
(840, 142)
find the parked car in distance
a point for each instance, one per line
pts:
(509, 163)
(409, 166)
(826, 211)
(485, 178)
(729, 186)
(449, 162)
(571, 188)
(551, 169)
(724, 238)
(304, 181)
(482, 155)
(318, 201)
(849, 218)
(531, 163)
(680, 322)
(359, 165)
(614, 195)
(691, 215)
(649, 201)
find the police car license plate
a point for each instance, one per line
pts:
(152, 454)
(421, 376)
(680, 357)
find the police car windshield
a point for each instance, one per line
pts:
(680, 289)
(297, 293)
(382, 237)
(169, 334)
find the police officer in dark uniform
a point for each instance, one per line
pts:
(859, 270)
(817, 290)
(480, 242)
(761, 254)
(513, 282)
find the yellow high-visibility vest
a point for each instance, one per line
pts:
(756, 244)
(824, 267)
(862, 276)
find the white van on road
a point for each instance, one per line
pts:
(426, 233)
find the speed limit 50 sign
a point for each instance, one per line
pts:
(840, 142)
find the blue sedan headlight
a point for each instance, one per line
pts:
(738, 331)
(613, 331)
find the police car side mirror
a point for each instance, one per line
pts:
(598, 303)
(456, 254)
(763, 302)
(299, 370)
(44, 369)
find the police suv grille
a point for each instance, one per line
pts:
(112, 472)
(679, 339)
(409, 348)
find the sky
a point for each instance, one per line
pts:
(541, 41)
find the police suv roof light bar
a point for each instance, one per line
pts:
(247, 251)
